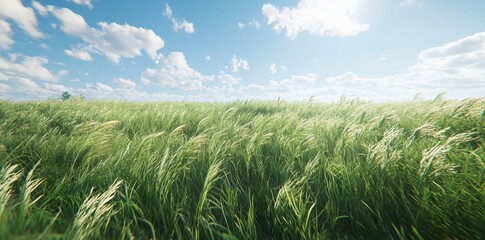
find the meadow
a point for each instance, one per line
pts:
(80, 169)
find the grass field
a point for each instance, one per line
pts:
(242, 170)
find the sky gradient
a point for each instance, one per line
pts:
(221, 50)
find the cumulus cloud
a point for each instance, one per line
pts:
(20, 76)
(55, 87)
(239, 64)
(299, 81)
(173, 71)
(113, 40)
(99, 87)
(178, 25)
(458, 63)
(387, 88)
(24, 17)
(457, 67)
(293, 84)
(295, 87)
(334, 18)
(124, 83)
(87, 3)
(11, 85)
(223, 89)
(28, 67)
(188, 27)
(240, 25)
(348, 78)
(227, 79)
(21, 88)
(308, 86)
(79, 54)
(6, 40)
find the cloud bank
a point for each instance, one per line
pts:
(333, 18)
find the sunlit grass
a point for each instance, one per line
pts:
(242, 170)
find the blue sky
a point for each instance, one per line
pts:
(378, 50)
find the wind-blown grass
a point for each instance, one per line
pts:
(242, 170)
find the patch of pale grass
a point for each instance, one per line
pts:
(94, 213)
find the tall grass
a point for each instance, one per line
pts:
(242, 170)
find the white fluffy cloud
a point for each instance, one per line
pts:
(28, 67)
(173, 71)
(99, 87)
(457, 68)
(352, 80)
(79, 54)
(178, 25)
(348, 78)
(87, 3)
(320, 17)
(124, 83)
(13, 87)
(459, 63)
(111, 39)
(55, 87)
(227, 79)
(301, 79)
(20, 76)
(295, 84)
(188, 27)
(21, 88)
(239, 64)
(24, 17)
(6, 33)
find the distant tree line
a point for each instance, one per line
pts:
(67, 95)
